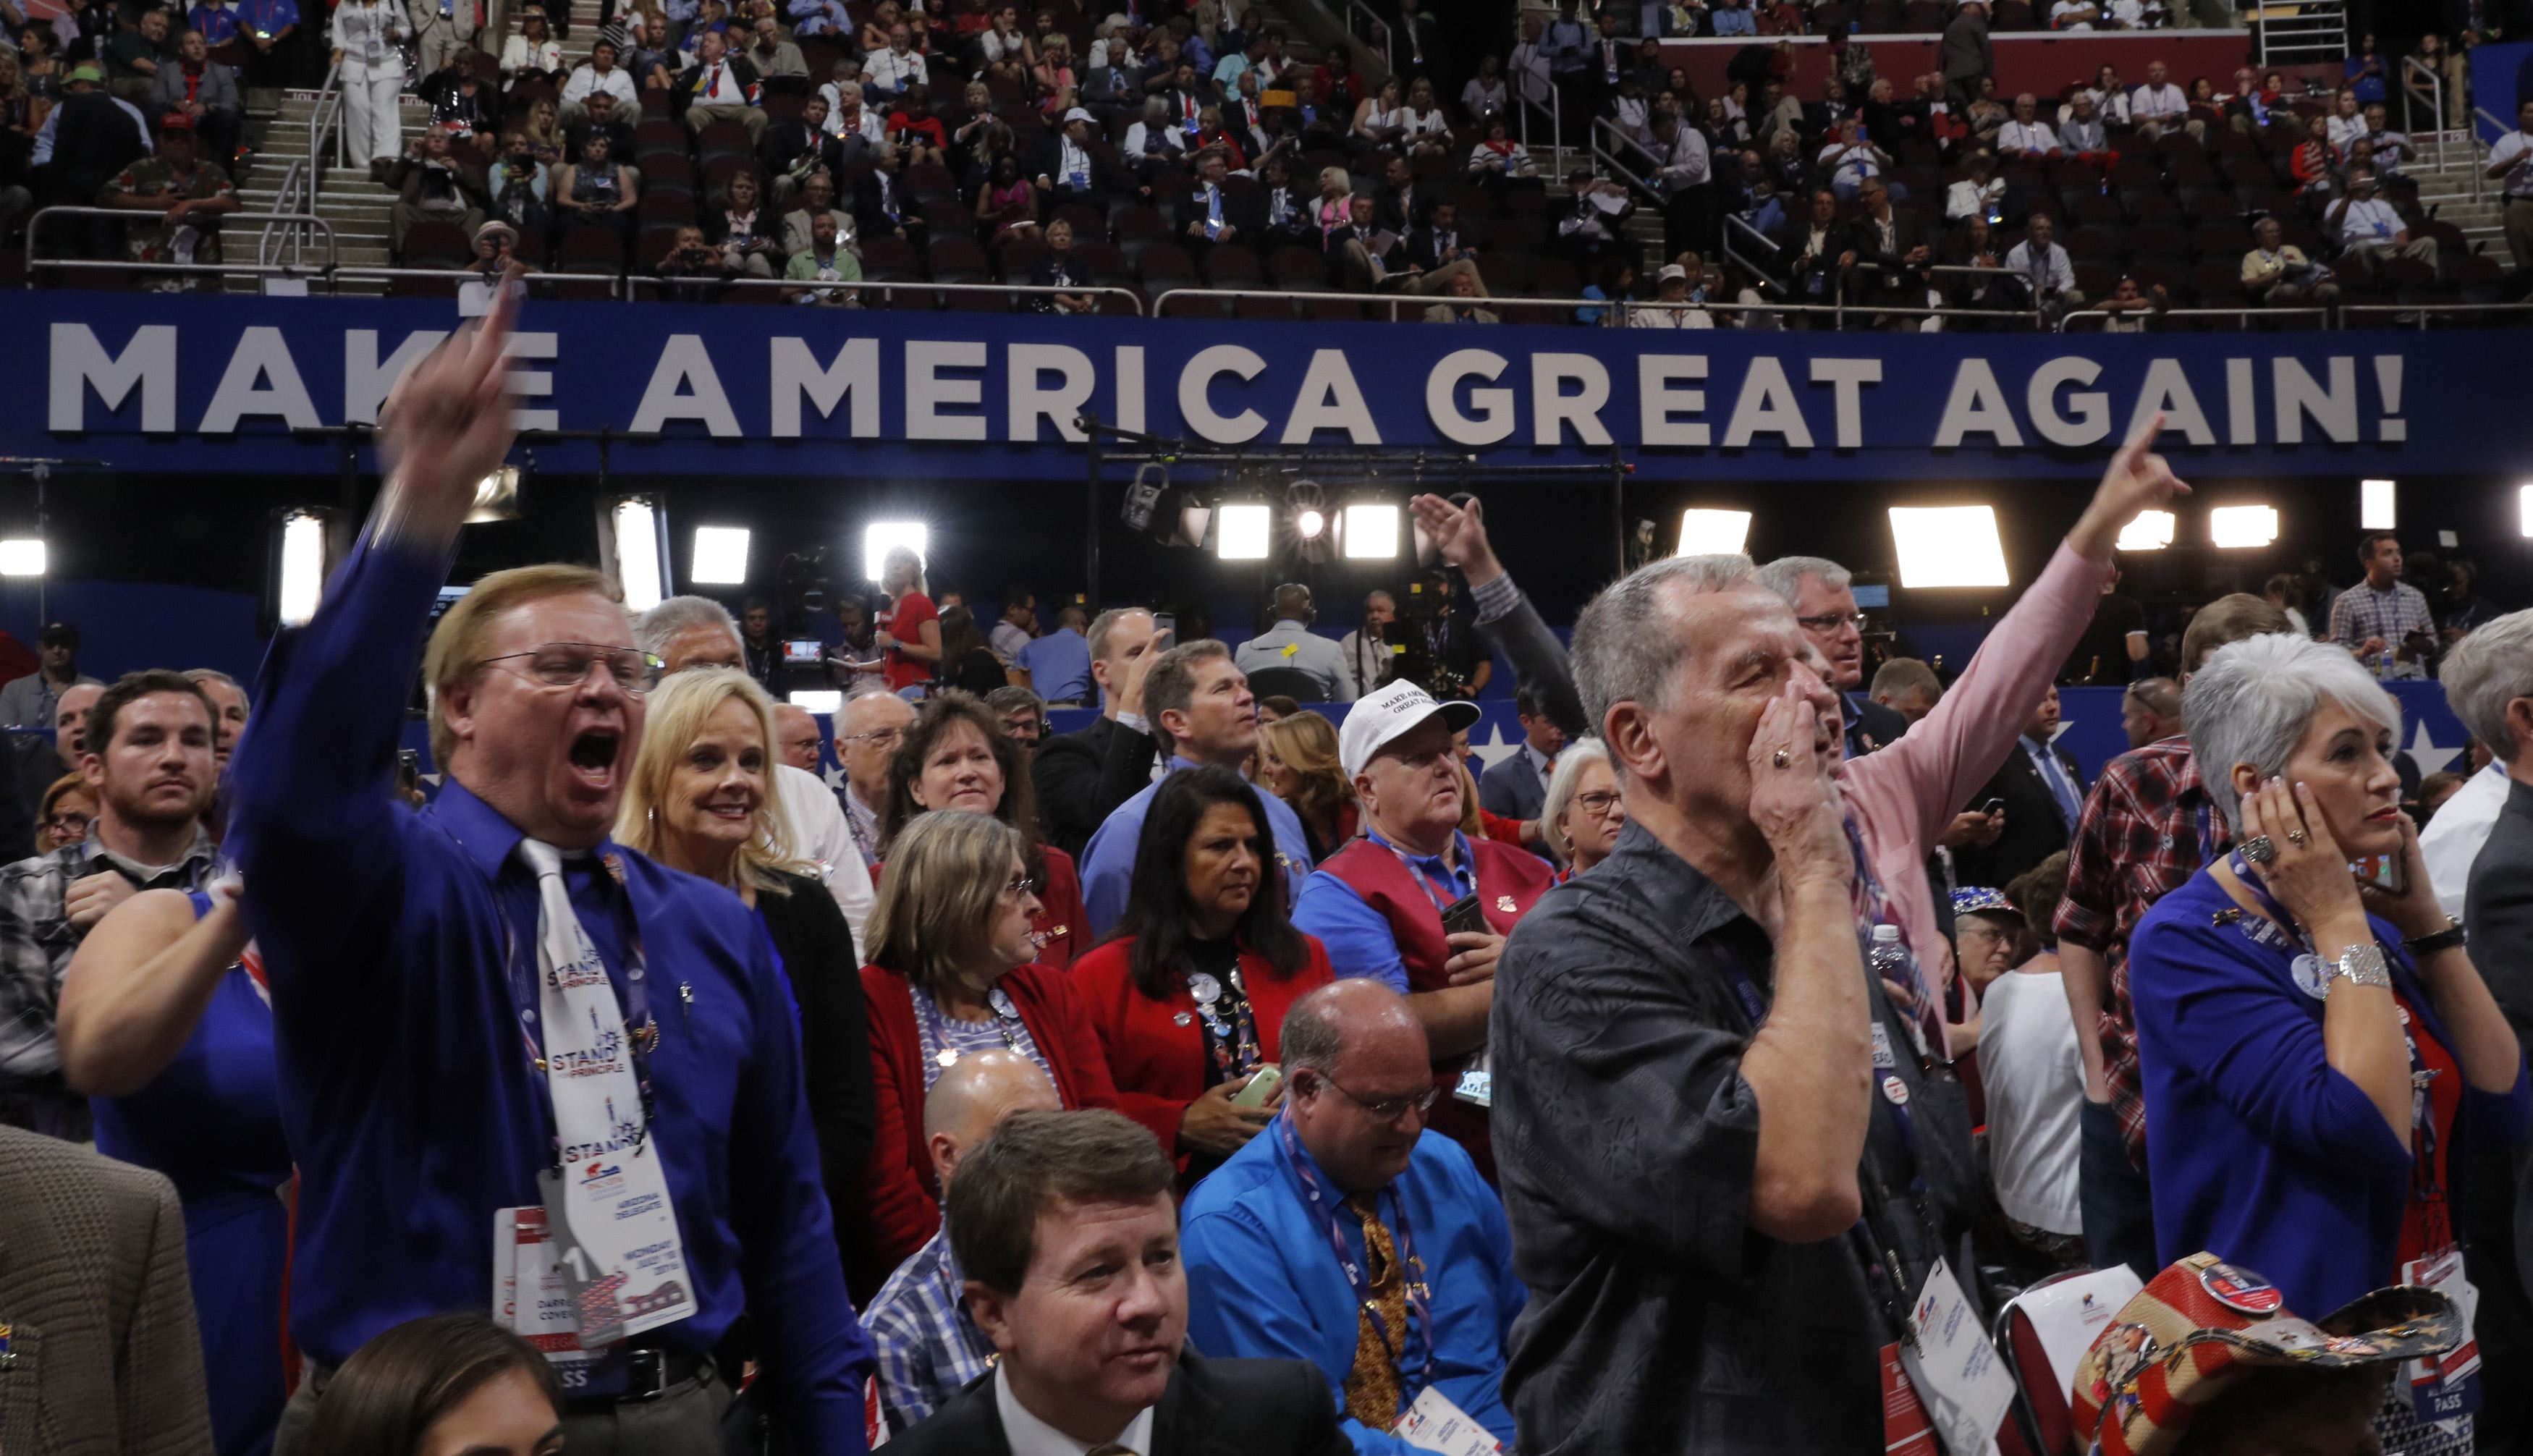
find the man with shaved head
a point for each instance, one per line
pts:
(928, 1346)
(1351, 1157)
(796, 738)
(1289, 642)
(867, 734)
(685, 632)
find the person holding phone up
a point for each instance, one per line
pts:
(2320, 1057)
(1189, 993)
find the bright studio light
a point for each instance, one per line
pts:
(303, 566)
(1371, 533)
(1244, 533)
(22, 555)
(1310, 523)
(1712, 533)
(1948, 546)
(2243, 527)
(879, 538)
(2152, 531)
(721, 555)
(2375, 510)
(2524, 508)
(637, 555)
(818, 700)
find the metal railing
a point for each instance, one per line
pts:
(2436, 92)
(1388, 38)
(888, 288)
(305, 174)
(2317, 30)
(2329, 318)
(2426, 312)
(300, 223)
(1555, 111)
(1613, 313)
(2320, 317)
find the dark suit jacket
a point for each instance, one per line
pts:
(1512, 788)
(1082, 775)
(1908, 231)
(2033, 829)
(1422, 252)
(809, 933)
(1107, 180)
(1870, 725)
(1211, 1408)
(1245, 211)
(2498, 914)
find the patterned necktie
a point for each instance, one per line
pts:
(1371, 1387)
(1112, 1449)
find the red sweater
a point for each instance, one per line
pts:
(1156, 1049)
(905, 1207)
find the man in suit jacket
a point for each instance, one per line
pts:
(1441, 241)
(1212, 214)
(1899, 246)
(1064, 1224)
(2489, 681)
(1082, 775)
(1515, 787)
(101, 1347)
(1069, 166)
(2044, 796)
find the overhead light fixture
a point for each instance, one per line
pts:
(818, 700)
(497, 497)
(2243, 527)
(1705, 532)
(2375, 510)
(1244, 533)
(2152, 531)
(1144, 497)
(2524, 508)
(721, 557)
(1371, 532)
(1948, 546)
(879, 538)
(636, 526)
(1309, 522)
(303, 566)
(22, 555)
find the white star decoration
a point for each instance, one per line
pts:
(2428, 756)
(1496, 750)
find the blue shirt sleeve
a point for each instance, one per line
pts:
(1358, 940)
(1229, 1258)
(1108, 867)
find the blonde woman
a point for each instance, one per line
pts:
(1297, 762)
(1335, 207)
(701, 799)
(910, 629)
(952, 972)
(369, 45)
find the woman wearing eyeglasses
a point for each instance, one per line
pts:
(951, 947)
(69, 806)
(1189, 992)
(701, 799)
(958, 755)
(1581, 816)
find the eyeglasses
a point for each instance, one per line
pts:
(875, 736)
(1596, 804)
(1831, 621)
(67, 825)
(1388, 1109)
(1021, 885)
(567, 664)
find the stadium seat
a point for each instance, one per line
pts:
(1136, 228)
(1164, 266)
(1233, 268)
(1922, 16)
(1085, 220)
(958, 260)
(1298, 270)
(589, 249)
(724, 139)
(2216, 275)
(1016, 258)
(1107, 264)
(2015, 15)
(2226, 240)
(668, 169)
(669, 206)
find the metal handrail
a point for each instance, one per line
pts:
(2437, 86)
(908, 285)
(2472, 148)
(1523, 106)
(2423, 310)
(2320, 315)
(304, 174)
(35, 225)
(1389, 38)
(333, 277)
(1617, 307)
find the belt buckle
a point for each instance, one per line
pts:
(648, 1378)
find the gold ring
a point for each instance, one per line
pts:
(1783, 759)
(2297, 838)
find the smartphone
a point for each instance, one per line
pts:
(1992, 806)
(2383, 872)
(1164, 622)
(1261, 1087)
(1464, 915)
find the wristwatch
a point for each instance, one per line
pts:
(2436, 940)
(2363, 965)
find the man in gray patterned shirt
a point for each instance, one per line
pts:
(149, 743)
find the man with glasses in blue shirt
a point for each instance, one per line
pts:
(522, 1066)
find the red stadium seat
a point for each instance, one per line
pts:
(1298, 270)
(1233, 268)
(587, 248)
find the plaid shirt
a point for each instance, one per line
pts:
(2139, 841)
(2361, 613)
(929, 1347)
(36, 942)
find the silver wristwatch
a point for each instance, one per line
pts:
(2363, 965)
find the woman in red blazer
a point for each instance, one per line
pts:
(951, 974)
(957, 755)
(1189, 995)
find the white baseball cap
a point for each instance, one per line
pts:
(1377, 719)
(1671, 272)
(1077, 114)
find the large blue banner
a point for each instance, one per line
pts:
(213, 383)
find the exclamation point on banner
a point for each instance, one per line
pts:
(2388, 383)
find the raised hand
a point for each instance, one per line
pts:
(2307, 872)
(1459, 533)
(447, 423)
(2137, 479)
(1795, 807)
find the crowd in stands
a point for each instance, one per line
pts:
(1218, 1076)
(697, 150)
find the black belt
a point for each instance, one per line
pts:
(654, 1376)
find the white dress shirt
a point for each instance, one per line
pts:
(2038, 137)
(821, 836)
(2369, 220)
(2148, 103)
(1028, 1435)
(2052, 272)
(2454, 836)
(616, 83)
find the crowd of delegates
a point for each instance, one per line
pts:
(1212, 1075)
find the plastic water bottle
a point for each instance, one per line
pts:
(1888, 959)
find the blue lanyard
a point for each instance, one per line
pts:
(1426, 883)
(1411, 1271)
(2208, 841)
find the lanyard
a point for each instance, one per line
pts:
(1420, 1305)
(1460, 842)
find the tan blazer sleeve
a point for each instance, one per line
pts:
(160, 1388)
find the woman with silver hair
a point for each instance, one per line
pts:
(2320, 1056)
(1581, 815)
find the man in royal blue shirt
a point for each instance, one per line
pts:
(1350, 1167)
(1199, 703)
(418, 961)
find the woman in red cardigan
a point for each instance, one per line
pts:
(956, 755)
(951, 974)
(1189, 995)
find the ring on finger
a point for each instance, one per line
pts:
(2298, 838)
(1783, 759)
(2259, 850)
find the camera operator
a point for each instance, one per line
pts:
(437, 183)
(1443, 652)
(694, 269)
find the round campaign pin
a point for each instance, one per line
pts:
(2240, 1289)
(2312, 975)
(1205, 988)
(1182, 1019)
(1001, 1001)
(1897, 1090)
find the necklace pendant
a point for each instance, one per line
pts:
(1205, 988)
